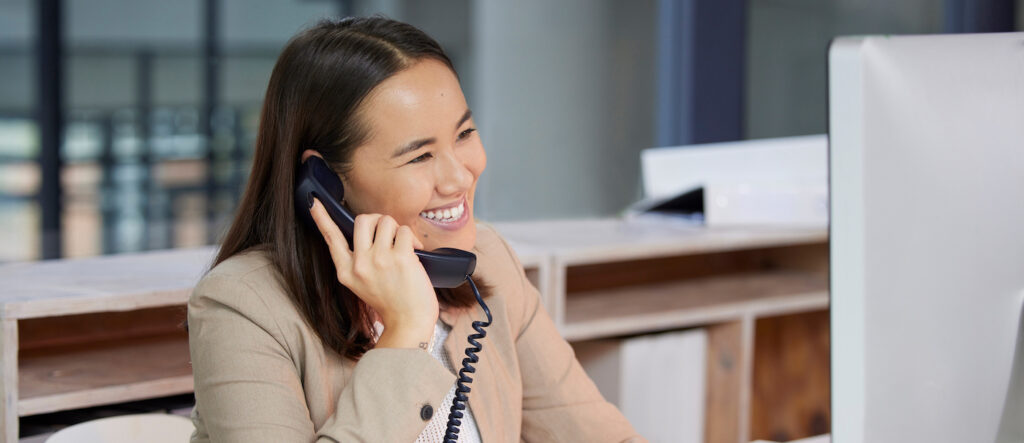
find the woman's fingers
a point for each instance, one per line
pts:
(405, 240)
(365, 225)
(336, 241)
(378, 270)
(379, 232)
(385, 238)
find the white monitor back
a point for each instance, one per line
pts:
(927, 238)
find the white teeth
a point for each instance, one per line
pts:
(446, 215)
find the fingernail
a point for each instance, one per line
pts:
(309, 200)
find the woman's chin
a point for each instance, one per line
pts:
(464, 238)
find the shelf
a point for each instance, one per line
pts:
(69, 377)
(694, 302)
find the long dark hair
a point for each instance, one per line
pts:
(320, 79)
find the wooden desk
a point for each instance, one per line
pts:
(85, 332)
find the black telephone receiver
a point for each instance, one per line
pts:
(446, 267)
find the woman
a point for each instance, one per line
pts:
(296, 337)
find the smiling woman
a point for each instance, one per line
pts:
(297, 335)
(439, 157)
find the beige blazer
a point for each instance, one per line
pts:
(262, 375)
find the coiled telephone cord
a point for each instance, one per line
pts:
(462, 389)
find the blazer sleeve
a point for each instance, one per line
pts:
(249, 389)
(560, 402)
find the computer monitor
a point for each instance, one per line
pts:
(926, 163)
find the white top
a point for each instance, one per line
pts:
(434, 432)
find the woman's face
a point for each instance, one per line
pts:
(423, 156)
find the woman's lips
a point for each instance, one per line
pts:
(450, 219)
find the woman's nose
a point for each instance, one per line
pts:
(453, 176)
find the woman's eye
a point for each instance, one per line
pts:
(466, 133)
(421, 158)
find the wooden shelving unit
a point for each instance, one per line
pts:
(609, 278)
(94, 331)
(77, 376)
(703, 301)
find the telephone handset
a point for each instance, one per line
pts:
(446, 267)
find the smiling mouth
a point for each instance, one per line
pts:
(448, 215)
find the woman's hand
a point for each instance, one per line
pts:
(383, 271)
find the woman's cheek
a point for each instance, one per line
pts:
(417, 197)
(478, 161)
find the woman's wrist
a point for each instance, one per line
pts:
(407, 335)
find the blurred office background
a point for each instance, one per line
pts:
(128, 125)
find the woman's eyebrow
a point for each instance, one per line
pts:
(462, 120)
(414, 145)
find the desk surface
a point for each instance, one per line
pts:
(583, 241)
(105, 283)
(161, 278)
